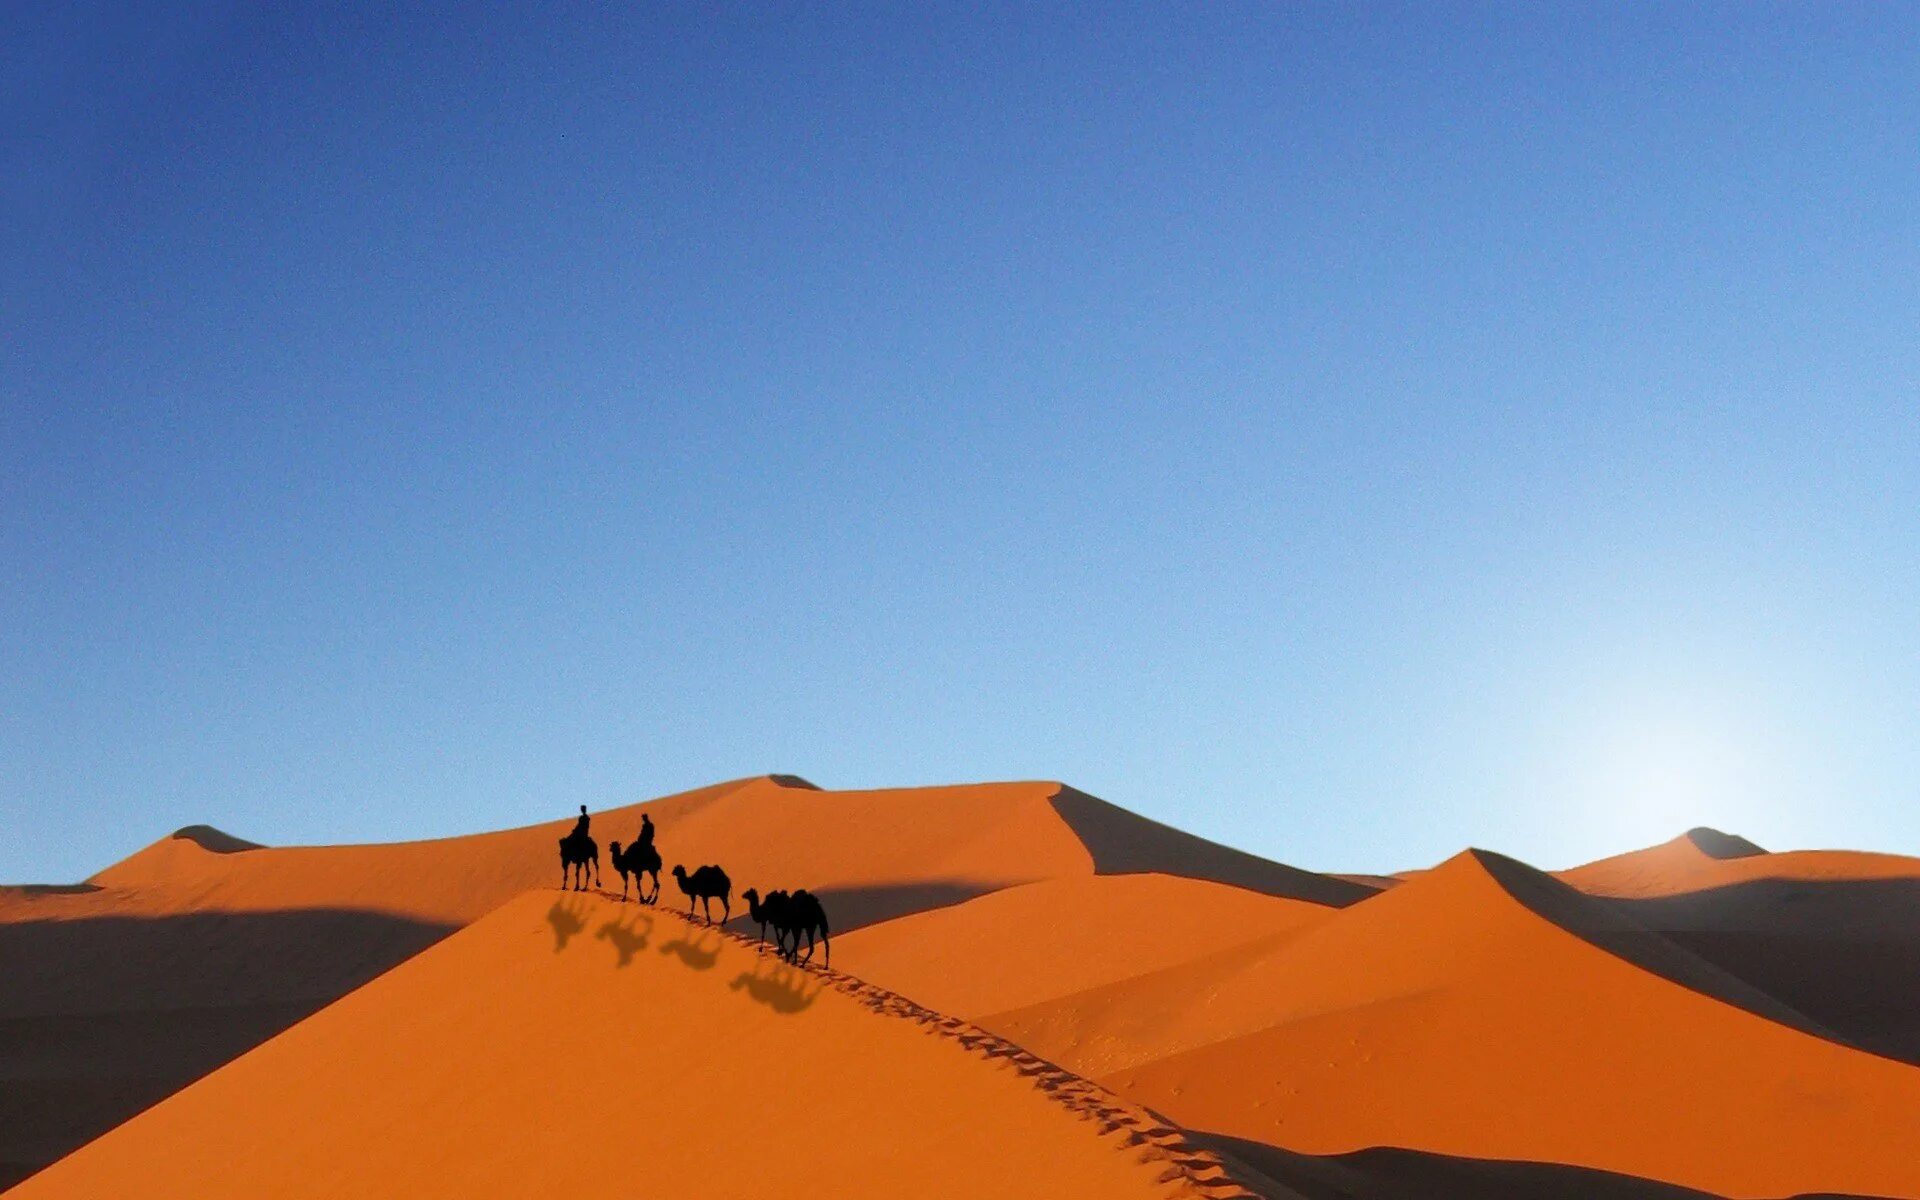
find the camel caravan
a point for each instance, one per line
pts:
(791, 915)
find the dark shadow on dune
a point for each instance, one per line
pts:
(48, 889)
(857, 907)
(628, 935)
(1714, 844)
(217, 841)
(1124, 843)
(568, 917)
(700, 951)
(784, 989)
(103, 1017)
(794, 781)
(1613, 929)
(1844, 952)
(1394, 1174)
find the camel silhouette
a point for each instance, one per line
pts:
(805, 915)
(707, 884)
(791, 916)
(765, 912)
(638, 860)
(577, 852)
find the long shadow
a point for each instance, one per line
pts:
(1844, 952)
(628, 935)
(1124, 843)
(782, 988)
(699, 952)
(47, 889)
(1616, 931)
(103, 1017)
(851, 908)
(1394, 1174)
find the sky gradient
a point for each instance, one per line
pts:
(1349, 433)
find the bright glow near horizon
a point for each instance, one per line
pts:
(1350, 433)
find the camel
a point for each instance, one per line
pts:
(638, 860)
(576, 852)
(804, 915)
(707, 884)
(766, 912)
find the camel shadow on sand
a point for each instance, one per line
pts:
(784, 989)
(699, 952)
(567, 917)
(628, 935)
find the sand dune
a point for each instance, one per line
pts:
(1691, 1019)
(1446, 1016)
(1834, 934)
(1707, 858)
(571, 1045)
(1041, 941)
(168, 963)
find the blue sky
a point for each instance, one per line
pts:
(1351, 433)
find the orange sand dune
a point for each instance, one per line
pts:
(171, 962)
(1447, 1016)
(1045, 940)
(576, 1046)
(1834, 934)
(1707, 858)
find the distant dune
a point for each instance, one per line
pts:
(1833, 934)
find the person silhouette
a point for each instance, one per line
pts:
(580, 826)
(646, 831)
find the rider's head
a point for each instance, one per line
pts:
(583, 810)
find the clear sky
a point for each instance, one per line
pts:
(1350, 433)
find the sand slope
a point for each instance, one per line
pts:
(571, 1045)
(1041, 941)
(169, 963)
(1834, 934)
(1447, 1016)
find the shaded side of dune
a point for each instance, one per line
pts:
(1388, 1173)
(103, 1017)
(1610, 927)
(1844, 952)
(1394, 1174)
(1124, 843)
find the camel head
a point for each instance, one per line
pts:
(613, 848)
(679, 872)
(750, 896)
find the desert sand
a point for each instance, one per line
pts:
(1034, 993)
(574, 1046)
